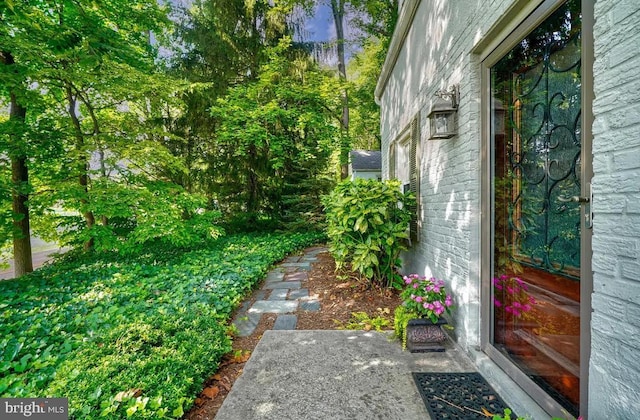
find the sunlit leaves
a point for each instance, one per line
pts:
(275, 135)
(132, 337)
(367, 223)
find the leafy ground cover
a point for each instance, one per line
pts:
(132, 337)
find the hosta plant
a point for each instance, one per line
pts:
(367, 223)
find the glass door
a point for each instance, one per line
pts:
(536, 216)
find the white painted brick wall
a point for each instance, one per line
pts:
(614, 382)
(435, 56)
(437, 53)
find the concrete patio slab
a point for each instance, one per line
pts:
(333, 375)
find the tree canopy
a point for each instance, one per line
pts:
(127, 121)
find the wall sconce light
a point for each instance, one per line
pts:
(442, 118)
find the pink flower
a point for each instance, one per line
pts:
(415, 285)
(448, 301)
(418, 299)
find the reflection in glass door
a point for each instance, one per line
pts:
(536, 115)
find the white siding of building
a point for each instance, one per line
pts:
(614, 383)
(438, 52)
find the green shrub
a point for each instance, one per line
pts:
(130, 337)
(367, 223)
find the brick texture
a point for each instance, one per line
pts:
(438, 53)
(614, 368)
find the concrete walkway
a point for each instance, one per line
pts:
(295, 374)
(333, 375)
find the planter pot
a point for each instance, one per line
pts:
(425, 336)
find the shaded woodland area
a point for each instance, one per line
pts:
(124, 122)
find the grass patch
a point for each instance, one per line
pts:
(130, 337)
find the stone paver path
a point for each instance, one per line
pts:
(281, 294)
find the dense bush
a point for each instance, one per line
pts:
(367, 224)
(134, 337)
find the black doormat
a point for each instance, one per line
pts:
(464, 396)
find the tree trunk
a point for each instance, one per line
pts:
(22, 258)
(83, 165)
(337, 8)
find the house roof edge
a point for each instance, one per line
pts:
(407, 13)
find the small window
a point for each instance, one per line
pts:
(403, 166)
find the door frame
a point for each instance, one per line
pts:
(519, 26)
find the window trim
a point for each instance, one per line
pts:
(409, 136)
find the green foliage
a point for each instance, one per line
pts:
(137, 214)
(364, 113)
(87, 76)
(362, 321)
(426, 297)
(274, 140)
(367, 224)
(508, 413)
(130, 338)
(401, 318)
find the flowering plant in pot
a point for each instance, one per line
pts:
(424, 301)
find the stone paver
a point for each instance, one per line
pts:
(279, 294)
(260, 295)
(273, 306)
(310, 305)
(275, 275)
(247, 323)
(245, 307)
(298, 294)
(282, 285)
(299, 265)
(297, 276)
(285, 322)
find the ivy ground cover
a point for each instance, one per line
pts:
(130, 337)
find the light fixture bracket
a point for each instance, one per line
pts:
(452, 93)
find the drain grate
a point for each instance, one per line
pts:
(463, 396)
